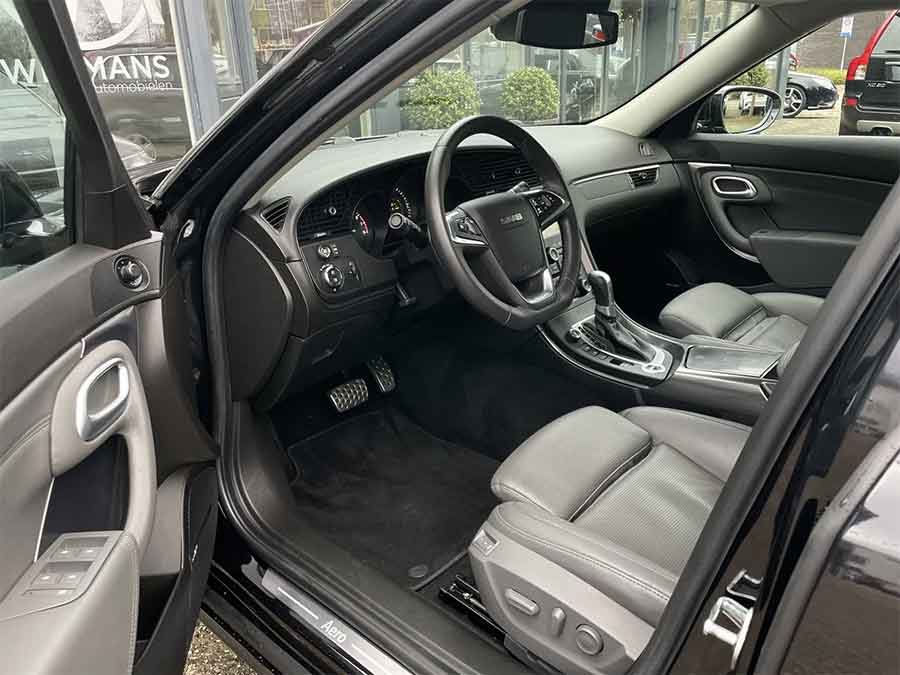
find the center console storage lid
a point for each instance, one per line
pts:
(740, 362)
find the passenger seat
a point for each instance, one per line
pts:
(718, 311)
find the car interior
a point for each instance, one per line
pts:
(498, 378)
(470, 394)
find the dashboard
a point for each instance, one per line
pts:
(316, 273)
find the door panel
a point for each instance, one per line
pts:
(53, 602)
(794, 205)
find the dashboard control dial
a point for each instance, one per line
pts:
(324, 251)
(332, 277)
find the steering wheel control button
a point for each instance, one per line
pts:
(557, 621)
(521, 603)
(332, 277)
(131, 272)
(324, 252)
(588, 639)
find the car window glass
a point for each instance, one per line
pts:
(890, 41)
(840, 80)
(32, 154)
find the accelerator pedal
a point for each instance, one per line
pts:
(382, 373)
(349, 395)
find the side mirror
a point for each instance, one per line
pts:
(739, 110)
(20, 215)
(569, 24)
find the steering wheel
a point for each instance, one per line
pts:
(492, 246)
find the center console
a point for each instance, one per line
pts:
(597, 337)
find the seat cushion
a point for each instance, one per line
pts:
(631, 537)
(767, 320)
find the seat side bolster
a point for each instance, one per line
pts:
(715, 309)
(638, 585)
(563, 466)
(803, 308)
(711, 443)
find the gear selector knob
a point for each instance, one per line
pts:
(601, 287)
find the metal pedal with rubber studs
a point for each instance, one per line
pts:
(349, 395)
(382, 373)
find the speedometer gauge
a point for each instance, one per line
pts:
(399, 203)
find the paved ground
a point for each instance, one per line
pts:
(210, 656)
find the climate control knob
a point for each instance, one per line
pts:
(332, 277)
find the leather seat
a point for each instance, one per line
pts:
(721, 312)
(611, 505)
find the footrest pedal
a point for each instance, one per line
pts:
(349, 395)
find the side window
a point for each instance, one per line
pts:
(844, 79)
(32, 154)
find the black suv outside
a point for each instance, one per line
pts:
(872, 100)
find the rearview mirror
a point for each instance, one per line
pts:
(561, 24)
(739, 110)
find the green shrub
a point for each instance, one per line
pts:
(758, 76)
(530, 94)
(836, 75)
(440, 98)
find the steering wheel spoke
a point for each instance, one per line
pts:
(547, 205)
(464, 232)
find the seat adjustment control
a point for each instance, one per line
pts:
(588, 639)
(557, 621)
(519, 602)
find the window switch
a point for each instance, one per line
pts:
(71, 579)
(88, 553)
(46, 579)
(65, 553)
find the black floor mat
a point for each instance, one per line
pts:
(396, 497)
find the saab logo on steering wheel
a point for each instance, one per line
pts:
(511, 219)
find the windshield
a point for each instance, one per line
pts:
(162, 80)
(532, 85)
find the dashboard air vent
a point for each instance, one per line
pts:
(644, 177)
(275, 214)
(325, 216)
(487, 173)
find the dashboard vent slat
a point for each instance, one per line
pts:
(325, 216)
(644, 177)
(275, 214)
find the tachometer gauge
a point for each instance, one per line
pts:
(362, 226)
(399, 203)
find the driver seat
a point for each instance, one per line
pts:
(599, 513)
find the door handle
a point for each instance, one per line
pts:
(94, 392)
(734, 187)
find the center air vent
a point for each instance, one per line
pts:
(643, 177)
(325, 216)
(275, 214)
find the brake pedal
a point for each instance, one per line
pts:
(349, 395)
(382, 374)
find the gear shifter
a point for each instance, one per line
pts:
(608, 321)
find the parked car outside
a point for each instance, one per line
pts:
(808, 92)
(871, 103)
